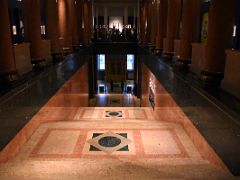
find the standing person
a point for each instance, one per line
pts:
(135, 89)
(122, 86)
(111, 85)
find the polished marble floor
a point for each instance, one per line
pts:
(58, 143)
(115, 100)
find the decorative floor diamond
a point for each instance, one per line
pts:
(109, 142)
(113, 114)
(112, 141)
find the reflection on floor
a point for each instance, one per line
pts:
(65, 141)
(115, 100)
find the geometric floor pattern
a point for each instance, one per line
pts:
(74, 142)
(109, 142)
(64, 150)
(55, 140)
(113, 114)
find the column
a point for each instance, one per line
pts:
(154, 8)
(138, 19)
(173, 20)
(75, 35)
(79, 14)
(149, 20)
(90, 6)
(125, 20)
(86, 21)
(96, 15)
(134, 17)
(144, 22)
(219, 39)
(32, 30)
(72, 22)
(141, 23)
(190, 31)
(106, 16)
(63, 24)
(7, 62)
(52, 32)
(162, 25)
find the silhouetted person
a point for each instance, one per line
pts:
(111, 85)
(135, 89)
(122, 86)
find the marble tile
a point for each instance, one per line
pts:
(137, 114)
(88, 114)
(60, 142)
(64, 130)
(115, 100)
(112, 141)
(109, 152)
(113, 114)
(159, 142)
(68, 100)
(109, 142)
(57, 113)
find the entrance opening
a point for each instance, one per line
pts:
(116, 81)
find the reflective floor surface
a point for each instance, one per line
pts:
(115, 100)
(50, 133)
(65, 140)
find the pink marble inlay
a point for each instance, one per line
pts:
(159, 142)
(90, 113)
(137, 114)
(146, 143)
(59, 142)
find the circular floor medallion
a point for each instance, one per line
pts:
(114, 113)
(109, 141)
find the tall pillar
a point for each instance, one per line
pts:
(149, 23)
(75, 35)
(86, 21)
(142, 20)
(96, 16)
(162, 25)
(79, 14)
(125, 19)
(32, 30)
(190, 31)
(219, 39)
(134, 18)
(154, 9)
(66, 40)
(106, 16)
(173, 21)
(138, 22)
(72, 22)
(52, 32)
(7, 62)
(90, 7)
